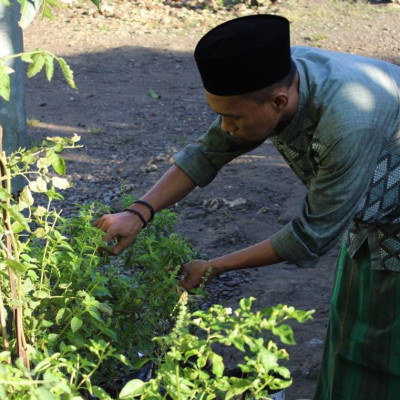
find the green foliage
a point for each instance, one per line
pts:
(36, 60)
(5, 72)
(30, 8)
(89, 318)
(86, 316)
(190, 367)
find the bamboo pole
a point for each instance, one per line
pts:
(17, 309)
(3, 321)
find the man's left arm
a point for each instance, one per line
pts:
(335, 192)
(260, 254)
(343, 178)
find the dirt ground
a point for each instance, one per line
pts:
(131, 48)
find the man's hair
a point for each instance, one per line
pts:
(262, 95)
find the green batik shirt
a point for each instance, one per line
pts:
(344, 145)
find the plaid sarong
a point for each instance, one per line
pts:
(361, 359)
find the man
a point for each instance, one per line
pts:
(335, 118)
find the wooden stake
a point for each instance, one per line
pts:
(17, 310)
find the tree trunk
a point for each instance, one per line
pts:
(13, 112)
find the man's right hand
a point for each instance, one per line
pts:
(173, 186)
(123, 227)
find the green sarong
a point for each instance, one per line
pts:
(361, 359)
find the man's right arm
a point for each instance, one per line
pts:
(173, 186)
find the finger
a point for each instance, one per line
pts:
(184, 268)
(96, 223)
(185, 284)
(101, 223)
(108, 237)
(121, 245)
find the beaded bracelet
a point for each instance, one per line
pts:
(148, 205)
(138, 214)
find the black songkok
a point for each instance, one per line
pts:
(244, 54)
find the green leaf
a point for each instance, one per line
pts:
(29, 9)
(57, 162)
(154, 94)
(238, 342)
(58, 147)
(268, 359)
(26, 196)
(40, 233)
(60, 183)
(26, 57)
(36, 65)
(110, 333)
(16, 227)
(49, 64)
(133, 388)
(43, 162)
(100, 393)
(42, 366)
(96, 3)
(245, 303)
(239, 386)
(16, 215)
(6, 2)
(52, 337)
(94, 314)
(76, 324)
(285, 333)
(15, 265)
(46, 323)
(42, 394)
(104, 307)
(75, 138)
(47, 11)
(40, 211)
(217, 365)
(39, 186)
(60, 315)
(4, 195)
(41, 294)
(190, 373)
(67, 72)
(5, 72)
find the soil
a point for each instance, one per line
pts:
(131, 48)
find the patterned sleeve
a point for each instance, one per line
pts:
(342, 179)
(203, 160)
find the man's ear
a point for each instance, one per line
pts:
(280, 101)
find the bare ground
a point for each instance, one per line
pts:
(129, 136)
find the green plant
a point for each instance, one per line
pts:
(37, 59)
(189, 366)
(77, 318)
(316, 38)
(94, 130)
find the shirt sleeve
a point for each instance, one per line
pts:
(203, 160)
(343, 177)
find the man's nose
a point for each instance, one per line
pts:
(227, 125)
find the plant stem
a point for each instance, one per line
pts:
(3, 325)
(21, 382)
(178, 388)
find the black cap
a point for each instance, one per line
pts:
(244, 54)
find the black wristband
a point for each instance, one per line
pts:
(138, 214)
(148, 205)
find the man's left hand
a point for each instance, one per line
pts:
(195, 273)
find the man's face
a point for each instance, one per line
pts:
(244, 118)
